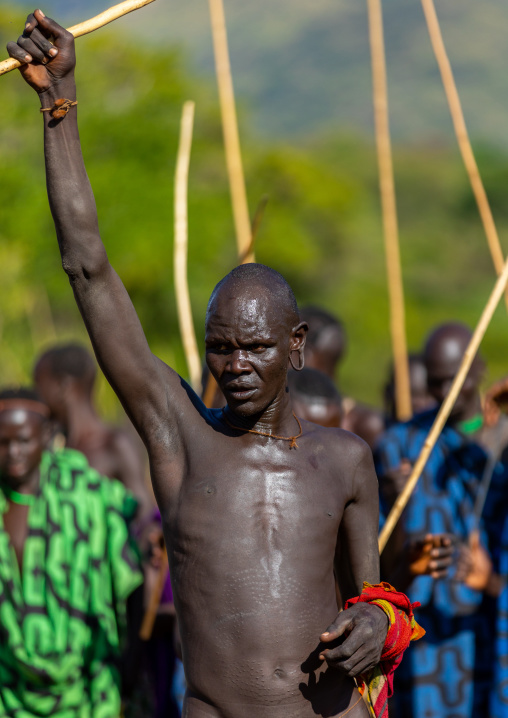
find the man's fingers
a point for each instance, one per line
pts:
(49, 27)
(43, 43)
(31, 49)
(351, 665)
(440, 565)
(18, 53)
(442, 556)
(347, 649)
(30, 23)
(341, 624)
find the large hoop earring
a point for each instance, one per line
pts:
(302, 360)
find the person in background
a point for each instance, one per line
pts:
(421, 399)
(70, 578)
(315, 397)
(65, 377)
(325, 349)
(440, 678)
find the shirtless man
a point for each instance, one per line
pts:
(256, 511)
(65, 377)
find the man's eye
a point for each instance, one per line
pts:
(257, 348)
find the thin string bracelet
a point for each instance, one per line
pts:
(60, 108)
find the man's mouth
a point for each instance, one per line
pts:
(16, 469)
(240, 391)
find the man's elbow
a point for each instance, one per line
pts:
(88, 267)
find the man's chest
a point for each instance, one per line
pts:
(16, 527)
(253, 501)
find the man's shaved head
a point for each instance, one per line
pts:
(256, 279)
(253, 331)
(447, 343)
(442, 354)
(62, 375)
(70, 360)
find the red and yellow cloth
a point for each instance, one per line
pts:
(376, 687)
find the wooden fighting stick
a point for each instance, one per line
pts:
(211, 384)
(185, 320)
(145, 632)
(230, 131)
(446, 407)
(461, 132)
(113, 13)
(389, 209)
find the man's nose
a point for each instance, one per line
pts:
(238, 361)
(13, 449)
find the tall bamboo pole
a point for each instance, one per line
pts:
(211, 384)
(389, 209)
(461, 132)
(147, 624)
(230, 130)
(446, 407)
(83, 28)
(185, 319)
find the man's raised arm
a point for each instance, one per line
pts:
(136, 375)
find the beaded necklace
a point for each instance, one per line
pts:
(292, 439)
(17, 498)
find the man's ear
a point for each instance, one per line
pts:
(298, 337)
(297, 344)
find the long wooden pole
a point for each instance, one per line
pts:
(185, 320)
(230, 131)
(147, 624)
(211, 385)
(461, 132)
(446, 407)
(83, 28)
(389, 210)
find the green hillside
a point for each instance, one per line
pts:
(304, 66)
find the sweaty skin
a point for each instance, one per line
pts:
(254, 529)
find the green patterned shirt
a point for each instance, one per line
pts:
(62, 620)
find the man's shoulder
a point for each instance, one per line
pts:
(344, 444)
(69, 471)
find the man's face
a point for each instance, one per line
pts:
(420, 397)
(440, 376)
(247, 349)
(23, 438)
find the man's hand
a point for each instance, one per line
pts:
(44, 64)
(431, 555)
(496, 401)
(394, 481)
(366, 626)
(474, 567)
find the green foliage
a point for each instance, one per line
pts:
(321, 227)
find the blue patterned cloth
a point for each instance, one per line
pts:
(499, 699)
(440, 676)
